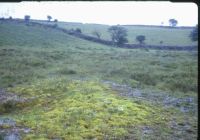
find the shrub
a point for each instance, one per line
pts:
(97, 34)
(194, 34)
(67, 71)
(27, 19)
(71, 72)
(140, 39)
(78, 30)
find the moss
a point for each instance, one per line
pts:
(7, 106)
(65, 70)
(81, 110)
(5, 126)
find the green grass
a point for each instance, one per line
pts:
(64, 75)
(31, 53)
(169, 36)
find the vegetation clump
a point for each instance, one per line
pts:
(97, 34)
(194, 34)
(27, 19)
(78, 30)
(140, 39)
(173, 22)
(49, 18)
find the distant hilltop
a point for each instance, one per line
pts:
(127, 25)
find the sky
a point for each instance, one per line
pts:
(107, 12)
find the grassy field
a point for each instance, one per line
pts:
(154, 35)
(62, 78)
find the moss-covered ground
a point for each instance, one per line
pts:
(80, 110)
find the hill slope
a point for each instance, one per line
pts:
(62, 87)
(154, 35)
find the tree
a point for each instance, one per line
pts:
(49, 18)
(194, 34)
(78, 30)
(173, 22)
(97, 34)
(118, 35)
(55, 23)
(140, 39)
(27, 18)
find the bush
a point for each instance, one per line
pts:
(67, 71)
(194, 34)
(27, 19)
(78, 30)
(140, 39)
(71, 72)
(97, 34)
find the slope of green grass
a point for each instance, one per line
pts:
(29, 53)
(63, 74)
(154, 35)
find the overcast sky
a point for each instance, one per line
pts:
(112, 13)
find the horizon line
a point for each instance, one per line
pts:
(105, 24)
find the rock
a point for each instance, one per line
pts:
(183, 104)
(7, 122)
(12, 136)
(146, 131)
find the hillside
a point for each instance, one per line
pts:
(154, 34)
(56, 86)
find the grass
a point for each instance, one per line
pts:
(30, 51)
(63, 74)
(154, 35)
